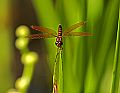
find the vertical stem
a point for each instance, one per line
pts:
(6, 46)
(58, 73)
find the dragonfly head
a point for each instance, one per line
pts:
(60, 26)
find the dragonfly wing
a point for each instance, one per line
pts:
(73, 27)
(43, 29)
(78, 34)
(38, 36)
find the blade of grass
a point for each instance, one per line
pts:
(58, 73)
(116, 66)
(72, 67)
(43, 9)
(107, 76)
(6, 56)
(107, 31)
(6, 46)
(61, 73)
(106, 36)
(94, 13)
(80, 62)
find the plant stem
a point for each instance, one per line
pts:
(58, 73)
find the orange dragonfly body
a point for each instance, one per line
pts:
(49, 33)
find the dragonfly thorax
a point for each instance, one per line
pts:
(59, 42)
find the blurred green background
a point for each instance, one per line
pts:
(87, 61)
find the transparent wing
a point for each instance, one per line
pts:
(78, 34)
(43, 29)
(38, 36)
(73, 27)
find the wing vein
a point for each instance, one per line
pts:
(43, 29)
(73, 27)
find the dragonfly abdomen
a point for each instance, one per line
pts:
(59, 30)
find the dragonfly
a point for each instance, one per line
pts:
(50, 33)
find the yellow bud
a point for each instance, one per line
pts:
(22, 31)
(21, 43)
(29, 58)
(21, 83)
